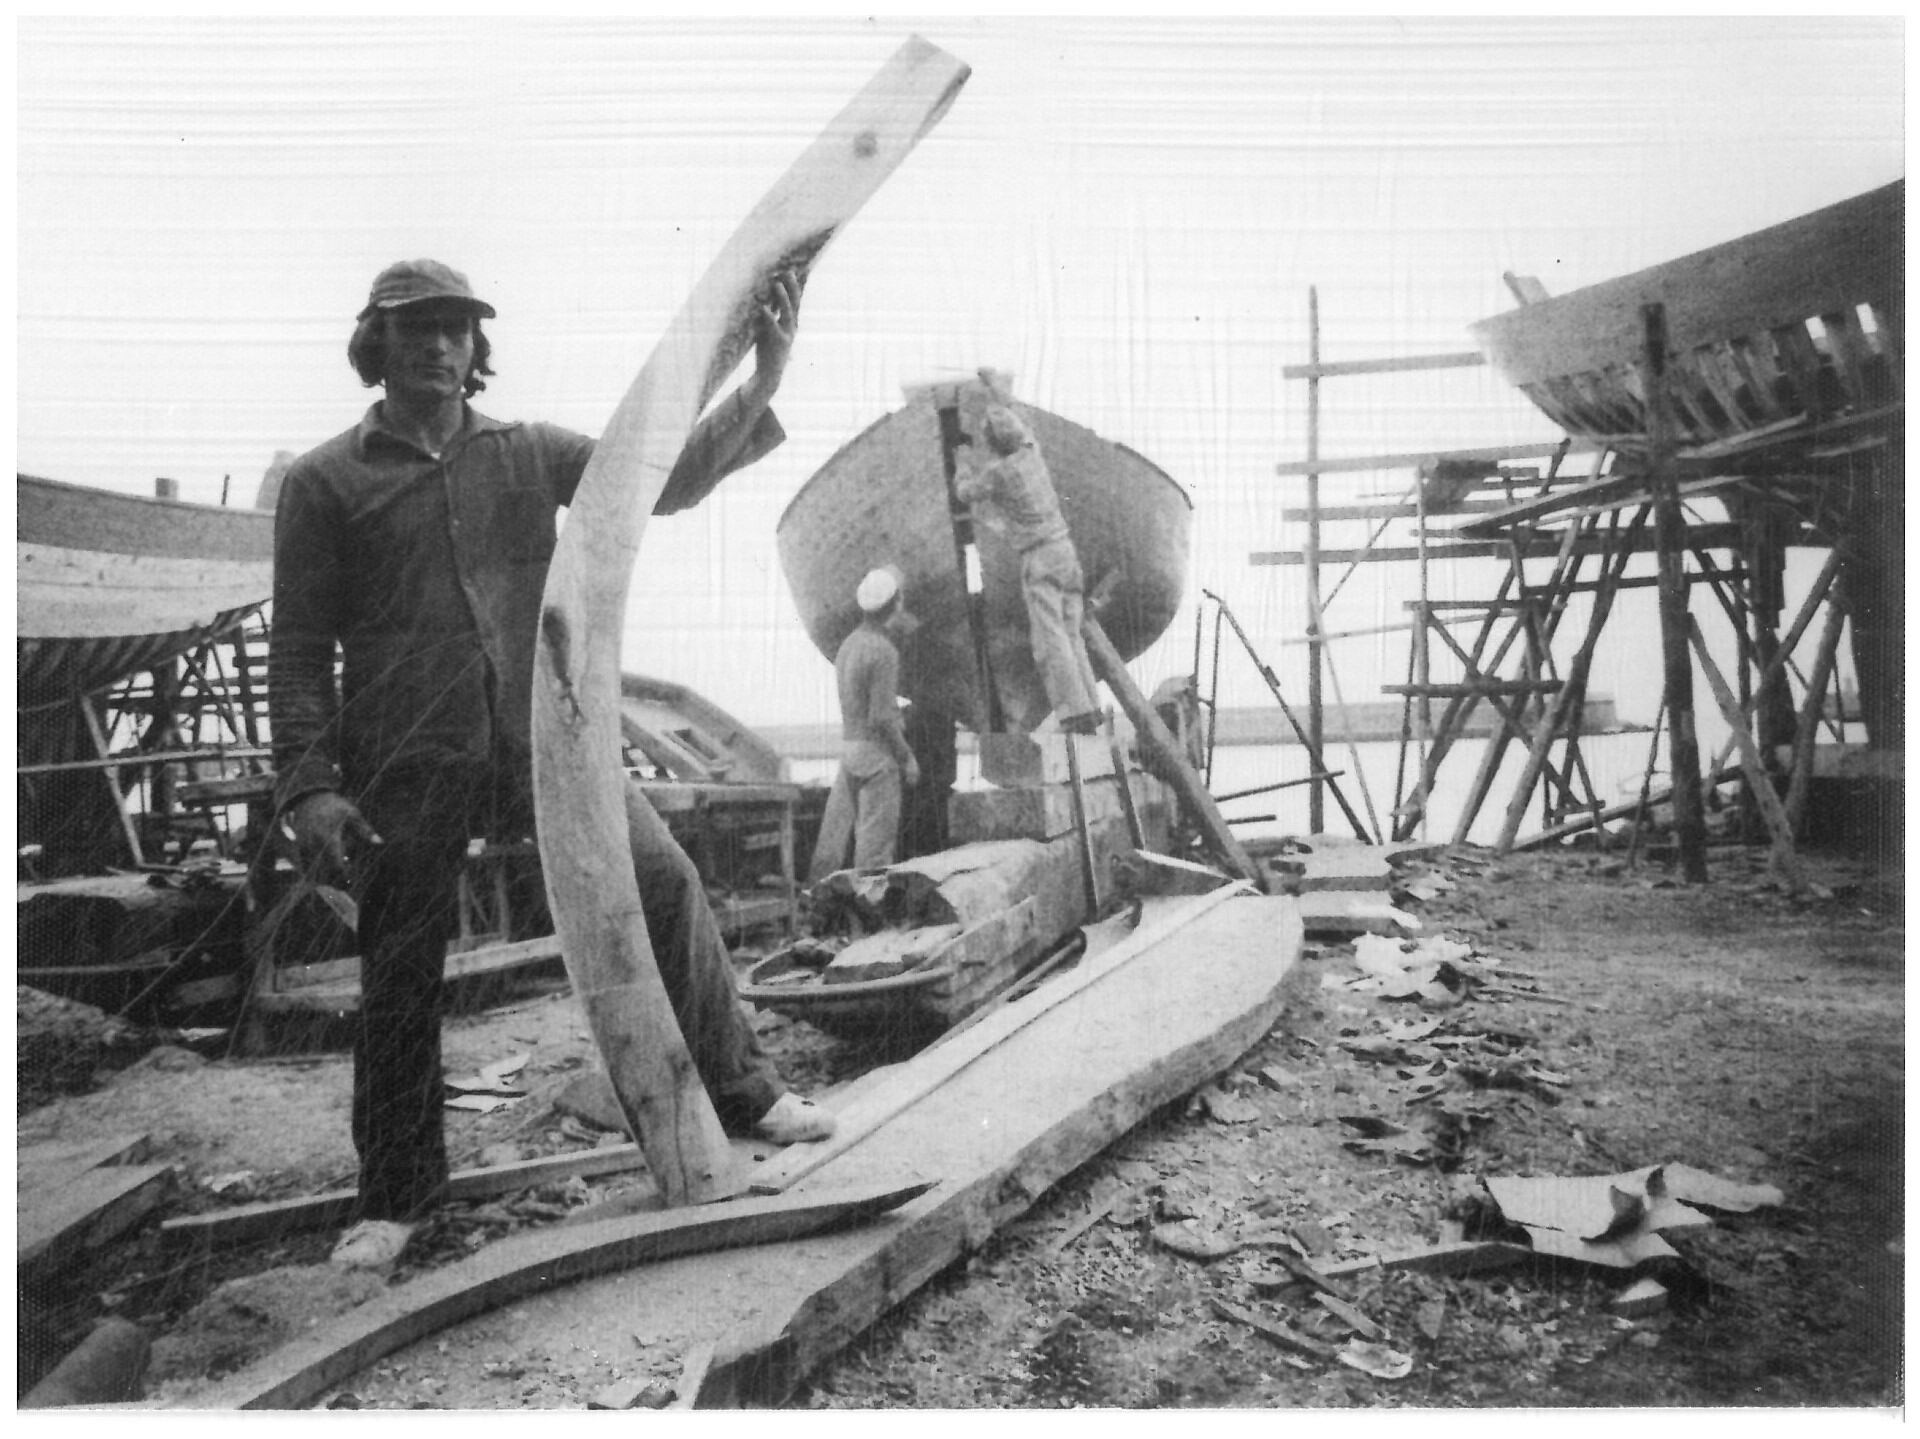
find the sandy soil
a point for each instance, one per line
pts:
(1727, 1027)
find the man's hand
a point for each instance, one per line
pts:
(775, 327)
(327, 831)
(911, 774)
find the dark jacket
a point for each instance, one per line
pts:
(424, 576)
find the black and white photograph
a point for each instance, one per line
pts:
(960, 711)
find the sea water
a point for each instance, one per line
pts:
(1617, 764)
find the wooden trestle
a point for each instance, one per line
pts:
(1568, 520)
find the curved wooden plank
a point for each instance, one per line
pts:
(1024, 1113)
(1058, 1088)
(523, 1265)
(580, 799)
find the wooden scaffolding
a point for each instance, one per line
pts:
(1569, 519)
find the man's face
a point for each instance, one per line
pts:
(902, 623)
(429, 352)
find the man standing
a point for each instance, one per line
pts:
(863, 809)
(415, 547)
(1014, 496)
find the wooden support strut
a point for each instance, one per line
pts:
(1566, 707)
(1539, 629)
(580, 798)
(1783, 649)
(1759, 783)
(98, 734)
(1453, 718)
(1310, 557)
(1153, 733)
(1689, 800)
(1089, 871)
(1811, 707)
(1315, 754)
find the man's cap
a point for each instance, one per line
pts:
(409, 282)
(1006, 431)
(877, 589)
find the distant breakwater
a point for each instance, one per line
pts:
(1243, 725)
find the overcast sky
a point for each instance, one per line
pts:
(1125, 213)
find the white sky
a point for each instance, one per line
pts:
(1125, 212)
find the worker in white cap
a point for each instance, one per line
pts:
(863, 811)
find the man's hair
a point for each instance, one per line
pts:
(367, 352)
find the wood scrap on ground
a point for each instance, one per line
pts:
(1457, 1258)
(1146, 873)
(1275, 1330)
(270, 1219)
(890, 952)
(74, 1197)
(1342, 914)
(1619, 1220)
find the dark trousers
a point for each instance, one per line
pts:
(408, 888)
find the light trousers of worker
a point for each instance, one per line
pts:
(862, 814)
(408, 895)
(1052, 585)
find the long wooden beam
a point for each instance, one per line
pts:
(137, 759)
(1580, 824)
(1671, 533)
(251, 1223)
(581, 799)
(527, 1264)
(1452, 360)
(1595, 496)
(1417, 459)
(1717, 536)
(1390, 510)
(329, 973)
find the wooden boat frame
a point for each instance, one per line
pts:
(1789, 328)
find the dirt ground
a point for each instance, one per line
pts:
(1620, 1020)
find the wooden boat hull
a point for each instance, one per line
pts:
(1782, 329)
(904, 1008)
(111, 584)
(689, 737)
(882, 499)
